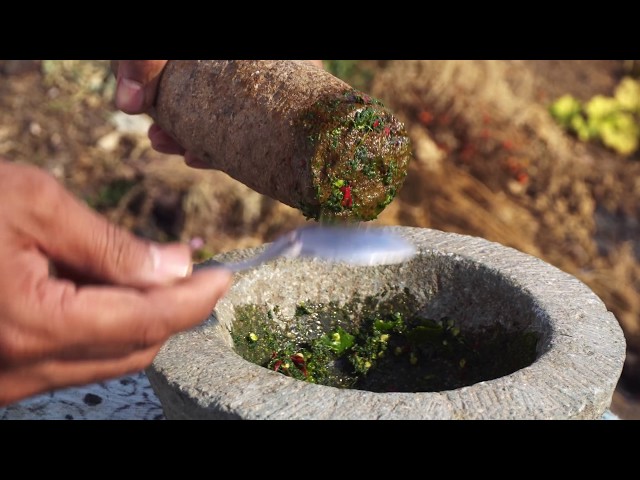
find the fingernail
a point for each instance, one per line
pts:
(170, 262)
(129, 96)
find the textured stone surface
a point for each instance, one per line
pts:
(260, 121)
(197, 375)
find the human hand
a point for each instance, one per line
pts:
(115, 299)
(136, 89)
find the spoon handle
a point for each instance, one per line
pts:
(286, 246)
(354, 246)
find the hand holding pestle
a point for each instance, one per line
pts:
(289, 130)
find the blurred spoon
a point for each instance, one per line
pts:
(352, 245)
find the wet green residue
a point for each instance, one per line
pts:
(361, 153)
(380, 346)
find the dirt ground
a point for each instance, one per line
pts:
(489, 161)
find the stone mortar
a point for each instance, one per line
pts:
(580, 352)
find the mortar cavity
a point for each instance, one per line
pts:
(441, 322)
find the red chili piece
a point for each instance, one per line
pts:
(347, 201)
(299, 362)
(297, 359)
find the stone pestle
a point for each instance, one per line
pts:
(288, 130)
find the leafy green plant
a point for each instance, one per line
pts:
(109, 195)
(614, 121)
(355, 72)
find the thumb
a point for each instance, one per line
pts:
(137, 81)
(72, 234)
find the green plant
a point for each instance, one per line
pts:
(355, 72)
(614, 121)
(109, 195)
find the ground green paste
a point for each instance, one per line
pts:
(378, 346)
(360, 157)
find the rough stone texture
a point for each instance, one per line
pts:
(247, 118)
(197, 374)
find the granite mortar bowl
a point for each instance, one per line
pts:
(579, 351)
